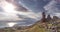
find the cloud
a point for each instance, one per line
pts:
(12, 14)
(7, 16)
(35, 5)
(53, 8)
(30, 15)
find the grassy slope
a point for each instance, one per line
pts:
(37, 28)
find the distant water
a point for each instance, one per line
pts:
(20, 23)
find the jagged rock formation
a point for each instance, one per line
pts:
(43, 17)
(55, 18)
(49, 18)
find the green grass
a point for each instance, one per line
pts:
(37, 28)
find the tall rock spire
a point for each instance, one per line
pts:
(43, 17)
(49, 18)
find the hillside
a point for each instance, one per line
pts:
(37, 27)
(44, 25)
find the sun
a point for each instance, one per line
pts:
(8, 7)
(11, 24)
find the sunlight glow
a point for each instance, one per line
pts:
(11, 13)
(8, 7)
(11, 24)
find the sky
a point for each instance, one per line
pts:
(51, 7)
(27, 11)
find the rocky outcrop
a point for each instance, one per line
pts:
(55, 18)
(49, 18)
